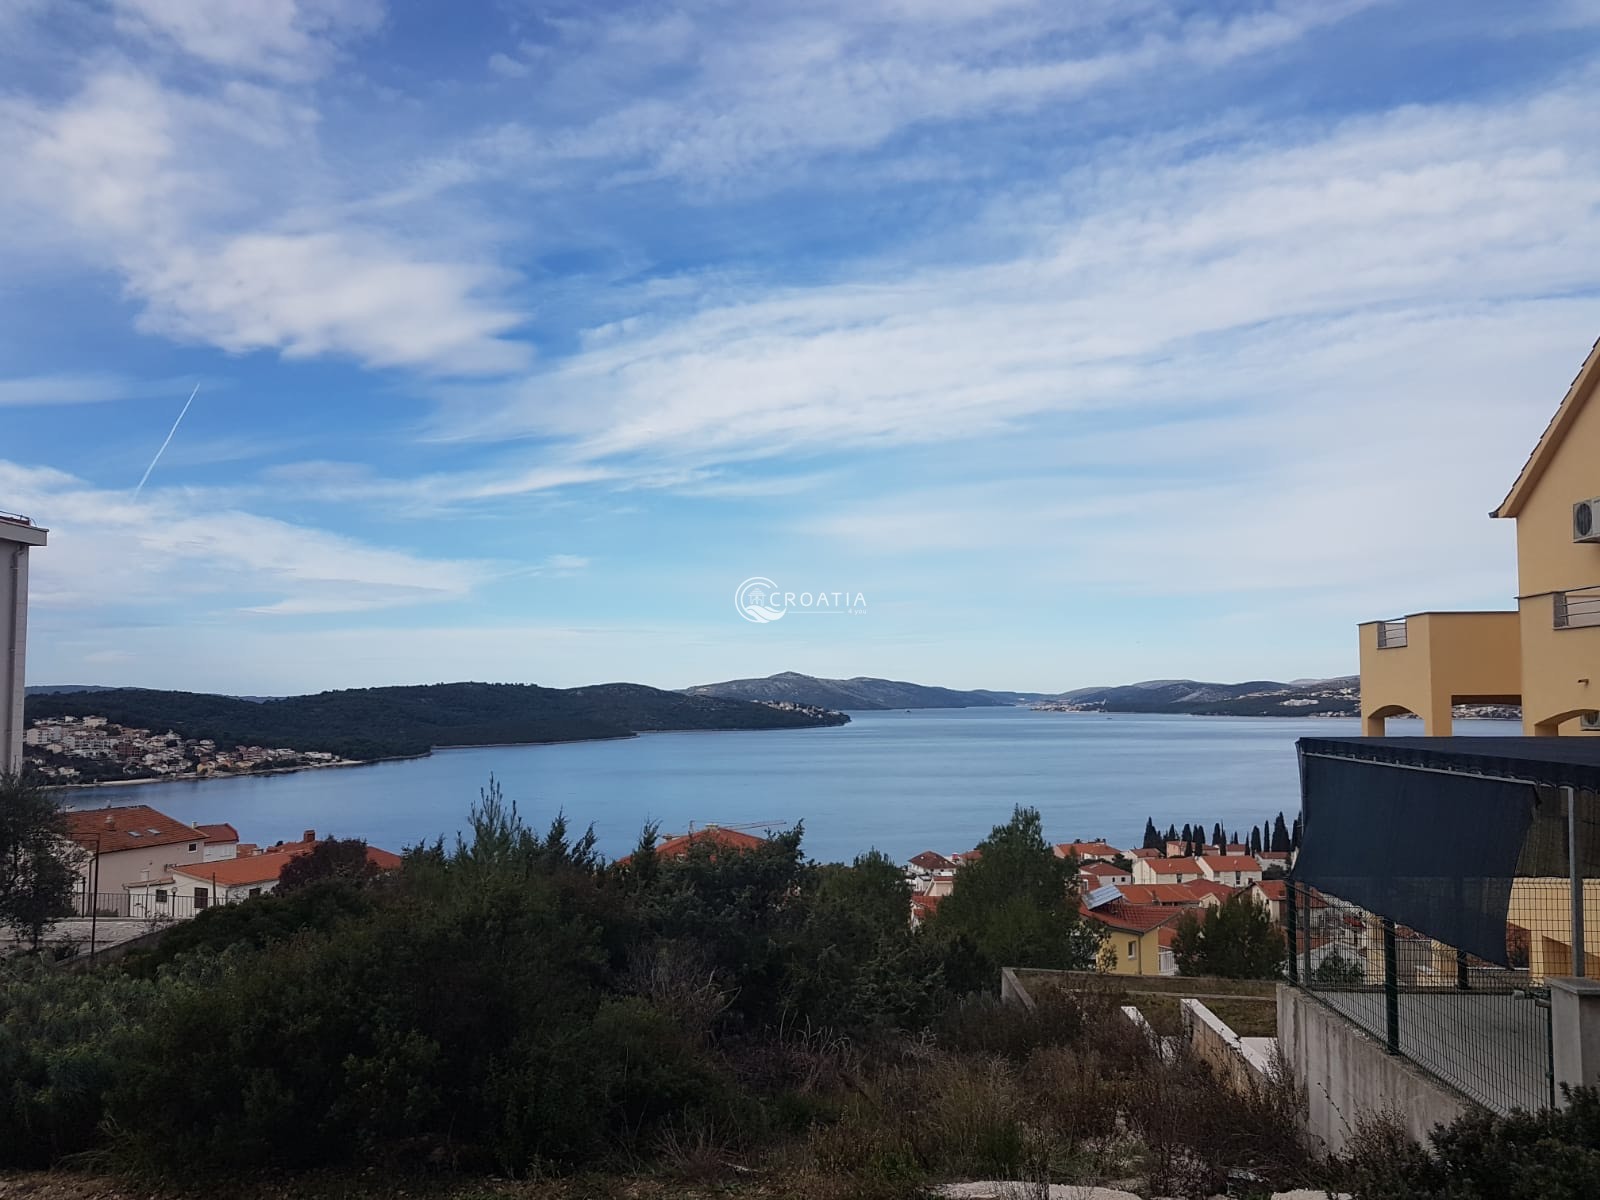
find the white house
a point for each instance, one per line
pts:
(1165, 870)
(1235, 870)
(130, 844)
(190, 887)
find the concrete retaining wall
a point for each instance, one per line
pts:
(1243, 1063)
(1348, 1075)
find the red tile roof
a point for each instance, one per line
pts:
(677, 845)
(1132, 918)
(932, 860)
(1231, 862)
(1086, 850)
(126, 828)
(1145, 852)
(1174, 866)
(1210, 887)
(962, 857)
(216, 834)
(1102, 870)
(925, 906)
(1278, 889)
(266, 866)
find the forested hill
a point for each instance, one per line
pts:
(862, 694)
(367, 723)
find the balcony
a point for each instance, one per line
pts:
(1427, 662)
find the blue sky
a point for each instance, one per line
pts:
(1088, 341)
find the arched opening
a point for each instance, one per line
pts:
(1551, 726)
(1374, 723)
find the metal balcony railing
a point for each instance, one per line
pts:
(1391, 634)
(1577, 609)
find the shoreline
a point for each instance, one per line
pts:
(191, 777)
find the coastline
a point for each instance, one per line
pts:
(192, 777)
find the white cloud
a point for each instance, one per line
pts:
(281, 39)
(1139, 278)
(173, 553)
(185, 197)
(79, 388)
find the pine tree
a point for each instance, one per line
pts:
(1255, 840)
(1280, 836)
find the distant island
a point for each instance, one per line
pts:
(861, 694)
(1339, 696)
(365, 724)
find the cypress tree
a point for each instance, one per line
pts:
(1152, 835)
(1220, 838)
(1172, 834)
(1280, 836)
(1188, 837)
(1255, 840)
(1294, 835)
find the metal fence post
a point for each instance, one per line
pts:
(1391, 989)
(1575, 881)
(1294, 944)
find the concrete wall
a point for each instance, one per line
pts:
(1449, 658)
(1243, 1063)
(1347, 1075)
(15, 541)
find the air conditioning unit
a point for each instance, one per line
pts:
(1590, 722)
(1586, 520)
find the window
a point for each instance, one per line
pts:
(202, 897)
(254, 892)
(1133, 949)
(191, 847)
(161, 895)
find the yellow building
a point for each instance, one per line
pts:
(1545, 654)
(1138, 938)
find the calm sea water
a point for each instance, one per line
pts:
(901, 781)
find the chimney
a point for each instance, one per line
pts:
(310, 835)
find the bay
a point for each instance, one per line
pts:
(900, 781)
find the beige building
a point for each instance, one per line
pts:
(18, 535)
(130, 844)
(1545, 653)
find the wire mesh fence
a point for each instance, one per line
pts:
(1480, 1025)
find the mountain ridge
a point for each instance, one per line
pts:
(371, 723)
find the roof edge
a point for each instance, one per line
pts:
(1583, 386)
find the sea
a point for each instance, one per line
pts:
(900, 782)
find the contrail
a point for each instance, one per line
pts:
(166, 443)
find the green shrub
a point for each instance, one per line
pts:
(65, 1039)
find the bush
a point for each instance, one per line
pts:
(65, 1038)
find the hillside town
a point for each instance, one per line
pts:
(1137, 896)
(91, 749)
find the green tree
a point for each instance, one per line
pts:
(1234, 940)
(1280, 836)
(335, 858)
(38, 865)
(1336, 970)
(1152, 835)
(1018, 902)
(1255, 840)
